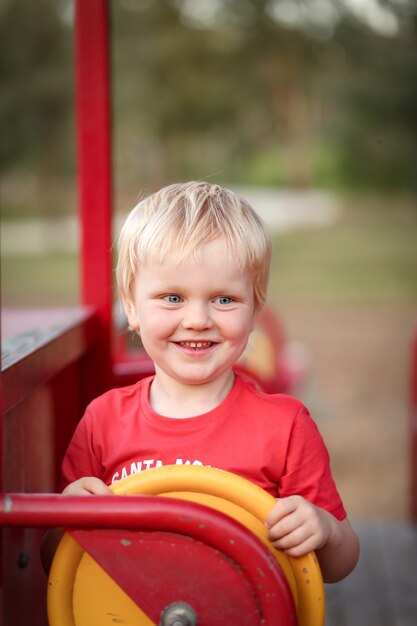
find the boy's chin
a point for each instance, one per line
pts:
(196, 379)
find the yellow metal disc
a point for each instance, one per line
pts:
(309, 597)
(248, 520)
(80, 593)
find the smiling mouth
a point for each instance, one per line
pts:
(196, 345)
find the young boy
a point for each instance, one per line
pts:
(192, 270)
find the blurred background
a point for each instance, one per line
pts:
(309, 108)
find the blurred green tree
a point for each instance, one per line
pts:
(37, 87)
(379, 134)
(281, 92)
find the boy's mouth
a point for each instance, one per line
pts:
(196, 345)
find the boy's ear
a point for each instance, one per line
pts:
(131, 314)
(255, 316)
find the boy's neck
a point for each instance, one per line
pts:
(171, 398)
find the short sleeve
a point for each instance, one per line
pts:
(307, 469)
(80, 459)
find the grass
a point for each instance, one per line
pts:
(368, 256)
(36, 280)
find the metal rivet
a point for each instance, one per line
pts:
(178, 614)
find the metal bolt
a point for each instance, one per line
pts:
(178, 614)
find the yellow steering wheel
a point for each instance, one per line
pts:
(75, 576)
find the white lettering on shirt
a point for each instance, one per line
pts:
(140, 466)
(181, 462)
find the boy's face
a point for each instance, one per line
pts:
(194, 318)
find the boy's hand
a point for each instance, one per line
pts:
(297, 526)
(88, 485)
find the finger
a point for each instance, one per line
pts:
(286, 527)
(309, 545)
(291, 539)
(96, 487)
(282, 508)
(87, 485)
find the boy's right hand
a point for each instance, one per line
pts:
(88, 485)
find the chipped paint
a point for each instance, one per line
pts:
(116, 618)
(125, 542)
(8, 504)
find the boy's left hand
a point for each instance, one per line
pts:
(297, 526)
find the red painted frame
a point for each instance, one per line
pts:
(46, 390)
(149, 513)
(93, 128)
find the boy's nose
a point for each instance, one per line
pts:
(196, 316)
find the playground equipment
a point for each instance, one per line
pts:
(197, 555)
(249, 505)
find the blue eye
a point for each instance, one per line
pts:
(224, 300)
(173, 299)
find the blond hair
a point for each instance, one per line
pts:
(184, 216)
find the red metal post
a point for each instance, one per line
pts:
(93, 122)
(413, 429)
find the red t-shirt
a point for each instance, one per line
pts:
(268, 439)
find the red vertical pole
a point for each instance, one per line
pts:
(93, 131)
(413, 429)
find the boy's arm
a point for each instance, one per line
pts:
(297, 527)
(339, 556)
